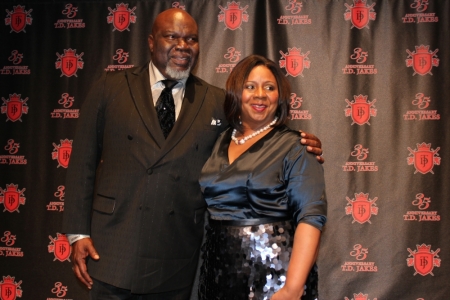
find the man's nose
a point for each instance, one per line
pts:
(181, 43)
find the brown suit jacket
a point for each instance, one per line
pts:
(136, 193)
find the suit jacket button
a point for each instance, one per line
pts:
(130, 137)
(149, 171)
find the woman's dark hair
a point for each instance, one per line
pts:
(235, 86)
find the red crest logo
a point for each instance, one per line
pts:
(12, 197)
(18, 18)
(62, 152)
(10, 289)
(422, 60)
(362, 208)
(70, 62)
(360, 109)
(360, 14)
(233, 15)
(360, 296)
(424, 158)
(14, 107)
(294, 62)
(121, 17)
(60, 247)
(423, 259)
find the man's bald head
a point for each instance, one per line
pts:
(174, 43)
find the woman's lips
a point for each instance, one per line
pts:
(259, 108)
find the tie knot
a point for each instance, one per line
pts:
(169, 84)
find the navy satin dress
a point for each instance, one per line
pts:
(275, 180)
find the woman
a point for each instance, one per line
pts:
(260, 185)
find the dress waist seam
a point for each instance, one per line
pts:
(247, 222)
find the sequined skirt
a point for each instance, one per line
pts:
(248, 262)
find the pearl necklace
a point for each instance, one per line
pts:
(245, 138)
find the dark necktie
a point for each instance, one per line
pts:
(165, 107)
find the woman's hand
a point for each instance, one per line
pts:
(285, 294)
(304, 254)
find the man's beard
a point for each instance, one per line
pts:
(175, 74)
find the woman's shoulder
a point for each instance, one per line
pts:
(285, 132)
(289, 140)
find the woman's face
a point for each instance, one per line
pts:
(259, 98)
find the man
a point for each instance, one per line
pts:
(131, 190)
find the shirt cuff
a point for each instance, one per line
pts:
(75, 237)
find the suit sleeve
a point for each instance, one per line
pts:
(86, 153)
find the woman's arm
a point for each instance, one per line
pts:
(304, 254)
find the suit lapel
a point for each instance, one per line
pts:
(194, 97)
(139, 82)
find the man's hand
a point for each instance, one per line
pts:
(81, 249)
(313, 145)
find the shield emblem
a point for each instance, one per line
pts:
(14, 110)
(360, 113)
(360, 296)
(18, 21)
(64, 155)
(360, 17)
(11, 201)
(422, 63)
(423, 263)
(423, 161)
(69, 65)
(62, 248)
(8, 291)
(121, 20)
(361, 210)
(233, 18)
(294, 64)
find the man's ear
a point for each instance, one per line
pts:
(150, 43)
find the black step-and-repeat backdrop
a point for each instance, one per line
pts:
(370, 78)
